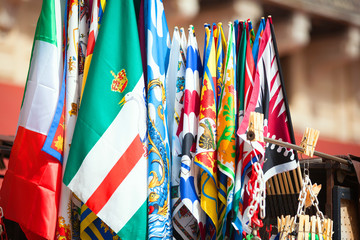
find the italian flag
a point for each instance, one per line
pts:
(30, 191)
(107, 164)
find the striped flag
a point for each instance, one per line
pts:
(205, 156)
(226, 125)
(108, 152)
(157, 46)
(31, 187)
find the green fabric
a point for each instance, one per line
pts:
(117, 48)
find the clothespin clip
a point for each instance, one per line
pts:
(256, 127)
(309, 141)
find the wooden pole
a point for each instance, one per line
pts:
(299, 149)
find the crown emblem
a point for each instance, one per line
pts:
(119, 82)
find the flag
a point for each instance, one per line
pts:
(175, 79)
(64, 228)
(274, 106)
(259, 33)
(249, 153)
(240, 77)
(226, 124)
(89, 228)
(157, 46)
(205, 156)
(111, 127)
(189, 173)
(221, 47)
(31, 187)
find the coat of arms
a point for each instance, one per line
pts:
(119, 82)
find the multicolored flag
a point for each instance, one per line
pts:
(112, 127)
(240, 76)
(206, 143)
(189, 174)
(226, 125)
(175, 79)
(73, 87)
(248, 153)
(31, 188)
(273, 104)
(221, 47)
(157, 46)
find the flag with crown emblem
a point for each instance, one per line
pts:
(111, 126)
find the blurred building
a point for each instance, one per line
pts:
(318, 40)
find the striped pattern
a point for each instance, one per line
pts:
(109, 138)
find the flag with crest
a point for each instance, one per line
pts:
(205, 156)
(112, 127)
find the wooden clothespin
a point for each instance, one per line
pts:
(256, 127)
(307, 226)
(302, 220)
(313, 227)
(309, 141)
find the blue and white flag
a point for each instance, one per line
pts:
(157, 47)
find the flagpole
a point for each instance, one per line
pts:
(300, 149)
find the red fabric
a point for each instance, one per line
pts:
(115, 177)
(31, 187)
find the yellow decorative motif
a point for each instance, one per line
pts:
(119, 82)
(59, 143)
(63, 231)
(74, 109)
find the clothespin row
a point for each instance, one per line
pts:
(313, 226)
(256, 127)
(309, 141)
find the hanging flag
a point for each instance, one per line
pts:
(240, 76)
(64, 228)
(206, 143)
(157, 45)
(189, 173)
(31, 187)
(274, 106)
(226, 124)
(175, 81)
(112, 127)
(248, 153)
(221, 47)
(259, 33)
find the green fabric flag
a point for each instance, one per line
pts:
(107, 165)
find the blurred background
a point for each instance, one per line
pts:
(318, 41)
